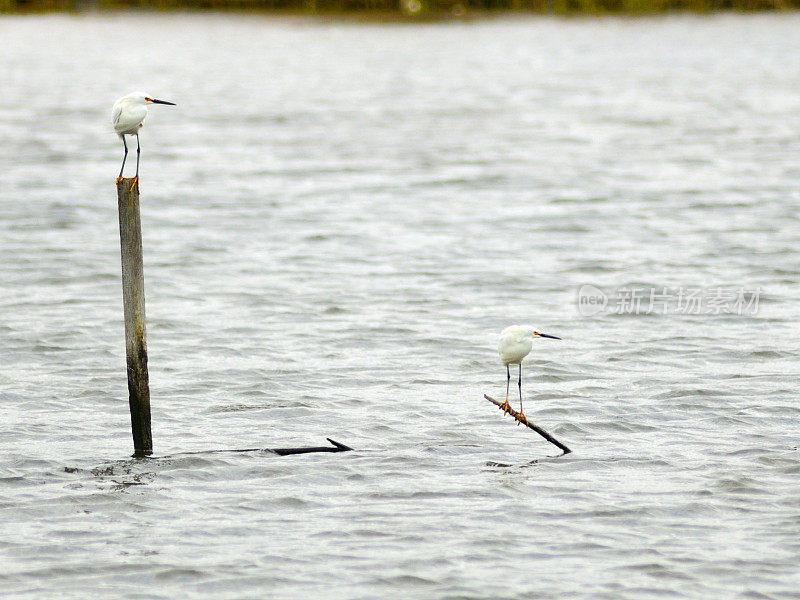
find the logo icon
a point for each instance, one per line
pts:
(591, 300)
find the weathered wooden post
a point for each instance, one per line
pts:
(130, 237)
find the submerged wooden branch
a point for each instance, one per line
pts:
(524, 420)
(337, 447)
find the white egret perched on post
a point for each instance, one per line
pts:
(515, 344)
(128, 117)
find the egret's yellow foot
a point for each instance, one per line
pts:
(120, 178)
(135, 181)
(505, 406)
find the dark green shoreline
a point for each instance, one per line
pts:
(406, 9)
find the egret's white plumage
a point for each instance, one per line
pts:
(514, 345)
(128, 116)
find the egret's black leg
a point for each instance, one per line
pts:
(520, 388)
(508, 381)
(125, 156)
(505, 406)
(138, 152)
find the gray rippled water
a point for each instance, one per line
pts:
(338, 220)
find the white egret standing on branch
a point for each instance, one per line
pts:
(128, 117)
(515, 344)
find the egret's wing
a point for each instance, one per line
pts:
(127, 118)
(115, 114)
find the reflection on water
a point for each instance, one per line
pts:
(338, 220)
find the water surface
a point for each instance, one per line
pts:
(338, 220)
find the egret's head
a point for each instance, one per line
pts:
(137, 98)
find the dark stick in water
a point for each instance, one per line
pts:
(337, 447)
(523, 419)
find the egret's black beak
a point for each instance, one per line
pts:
(552, 337)
(154, 101)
